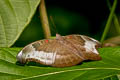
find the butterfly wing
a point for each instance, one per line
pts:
(62, 52)
(49, 52)
(85, 45)
(29, 50)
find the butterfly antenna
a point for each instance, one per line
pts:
(52, 21)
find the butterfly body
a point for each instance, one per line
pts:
(63, 51)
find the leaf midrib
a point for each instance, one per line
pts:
(68, 71)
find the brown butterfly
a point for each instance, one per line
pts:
(63, 51)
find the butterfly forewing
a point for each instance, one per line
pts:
(51, 53)
(60, 52)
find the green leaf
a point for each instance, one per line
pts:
(15, 15)
(106, 69)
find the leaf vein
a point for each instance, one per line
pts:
(4, 29)
(66, 71)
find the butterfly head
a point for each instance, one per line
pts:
(20, 57)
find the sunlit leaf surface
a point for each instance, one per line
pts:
(15, 15)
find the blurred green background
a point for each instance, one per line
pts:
(86, 17)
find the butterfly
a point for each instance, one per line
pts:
(63, 51)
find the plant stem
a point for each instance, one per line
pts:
(44, 19)
(109, 20)
(115, 19)
(117, 25)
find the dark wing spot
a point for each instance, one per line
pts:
(28, 55)
(27, 49)
(80, 39)
(36, 45)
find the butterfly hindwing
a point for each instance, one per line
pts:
(86, 45)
